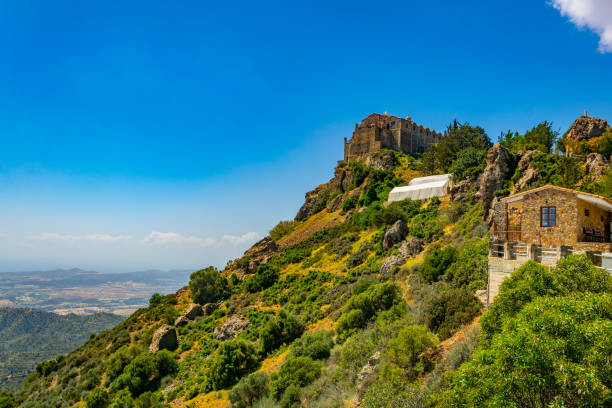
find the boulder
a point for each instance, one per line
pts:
(499, 165)
(380, 160)
(529, 177)
(390, 263)
(181, 321)
(525, 160)
(193, 310)
(394, 234)
(584, 128)
(596, 165)
(459, 191)
(209, 308)
(164, 338)
(335, 203)
(410, 247)
(260, 252)
(230, 329)
(368, 370)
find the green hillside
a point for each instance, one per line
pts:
(29, 337)
(360, 304)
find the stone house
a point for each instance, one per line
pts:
(378, 131)
(545, 224)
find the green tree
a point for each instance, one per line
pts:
(436, 263)
(265, 276)
(98, 398)
(283, 329)
(207, 286)
(469, 163)
(316, 345)
(298, 371)
(554, 353)
(7, 400)
(406, 350)
(456, 138)
(230, 362)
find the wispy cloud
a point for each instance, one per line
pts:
(51, 236)
(157, 237)
(595, 15)
(247, 238)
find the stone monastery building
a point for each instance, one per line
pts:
(378, 131)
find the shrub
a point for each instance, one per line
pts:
(315, 345)
(436, 263)
(554, 353)
(574, 273)
(291, 397)
(471, 266)
(7, 400)
(348, 204)
(156, 299)
(284, 328)
(298, 371)
(444, 311)
(98, 398)
(232, 360)
(207, 286)
(265, 276)
(120, 359)
(470, 162)
(281, 229)
(406, 350)
(249, 389)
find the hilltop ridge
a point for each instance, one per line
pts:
(354, 303)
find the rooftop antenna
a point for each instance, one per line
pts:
(585, 113)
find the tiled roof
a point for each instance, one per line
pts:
(548, 186)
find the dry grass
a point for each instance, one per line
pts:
(273, 363)
(311, 225)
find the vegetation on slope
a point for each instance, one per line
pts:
(337, 318)
(29, 337)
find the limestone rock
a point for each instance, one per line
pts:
(260, 252)
(596, 165)
(459, 191)
(381, 160)
(584, 128)
(394, 234)
(499, 165)
(193, 310)
(368, 370)
(411, 247)
(335, 203)
(181, 321)
(526, 158)
(209, 308)
(482, 296)
(390, 263)
(164, 338)
(230, 329)
(529, 177)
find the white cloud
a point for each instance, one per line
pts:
(593, 14)
(51, 236)
(247, 238)
(157, 237)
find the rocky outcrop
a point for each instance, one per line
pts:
(498, 168)
(595, 165)
(209, 308)
(230, 329)
(584, 128)
(164, 338)
(410, 247)
(381, 160)
(260, 252)
(193, 310)
(368, 370)
(390, 263)
(394, 234)
(459, 191)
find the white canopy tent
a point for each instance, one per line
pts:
(421, 188)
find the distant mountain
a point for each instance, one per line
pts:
(84, 292)
(30, 336)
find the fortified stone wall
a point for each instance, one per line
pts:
(384, 131)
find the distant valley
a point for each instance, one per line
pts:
(29, 336)
(83, 292)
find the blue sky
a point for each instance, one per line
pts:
(173, 134)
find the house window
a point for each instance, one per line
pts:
(548, 216)
(586, 212)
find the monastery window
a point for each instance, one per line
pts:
(392, 125)
(586, 212)
(548, 216)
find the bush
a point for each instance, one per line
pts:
(406, 350)
(291, 397)
(298, 371)
(554, 353)
(574, 273)
(444, 311)
(471, 266)
(315, 345)
(281, 229)
(156, 299)
(232, 360)
(208, 286)
(98, 398)
(249, 389)
(348, 204)
(470, 162)
(283, 329)
(265, 276)
(436, 263)
(120, 359)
